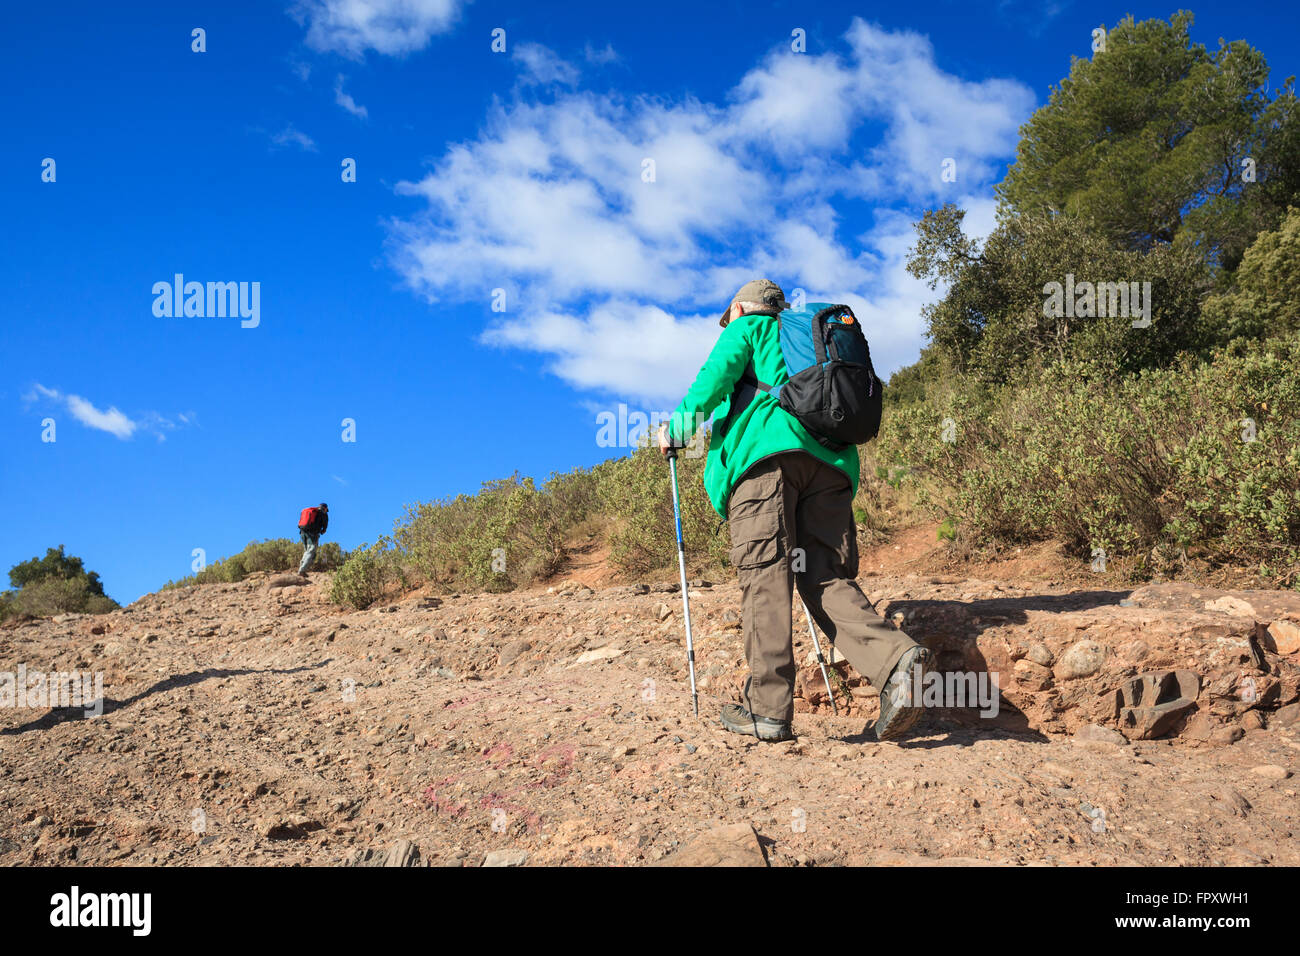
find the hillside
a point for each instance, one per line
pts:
(257, 723)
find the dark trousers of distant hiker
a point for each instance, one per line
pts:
(791, 522)
(309, 542)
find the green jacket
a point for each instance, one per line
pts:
(763, 428)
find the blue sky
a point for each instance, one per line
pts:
(523, 171)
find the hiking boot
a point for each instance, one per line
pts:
(740, 721)
(899, 710)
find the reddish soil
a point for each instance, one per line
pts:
(258, 724)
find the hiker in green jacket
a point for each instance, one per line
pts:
(788, 500)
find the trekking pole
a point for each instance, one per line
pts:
(820, 660)
(681, 563)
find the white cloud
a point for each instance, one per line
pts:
(932, 115)
(587, 349)
(391, 27)
(795, 102)
(981, 216)
(608, 274)
(346, 101)
(606, 55)
(300, 68)
(291, 136)
(553, 200)
(539, 66)
(111, 420)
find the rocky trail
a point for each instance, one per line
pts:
(255, 723)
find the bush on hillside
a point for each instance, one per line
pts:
(507, 535)
(55, 584)
(637, 496)
(50, 596)
(273, 555)
(1264, 297)
(370, 572)
(513, 534)
(1200, 457)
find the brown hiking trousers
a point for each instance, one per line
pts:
(791, 521)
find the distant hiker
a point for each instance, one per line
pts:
(788, 496)
(312, 524)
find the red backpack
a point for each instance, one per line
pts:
(308, 517)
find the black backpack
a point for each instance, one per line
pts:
(833, 390)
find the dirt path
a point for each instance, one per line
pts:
(254, 724)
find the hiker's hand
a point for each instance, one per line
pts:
(665, 444)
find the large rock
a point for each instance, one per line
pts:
(1092, 733)
(600, 654)
(1261, 605)
(1081, 660)
(808, 684)
(735, 844)
(513, 651)
(403, 853)
(506, 858)
(1231, 605)
(1040, 654)
(1280, 637)
(1153, 705)
(1271, 771)
(1205, 728)
(1229, 801)
(1276, 613)
(1032, 676)
(1062, 657)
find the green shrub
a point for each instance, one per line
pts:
(272, 554)
(575, 495)
(49, 596)
(508, 535)
(1264, 296)
(637, 495)
(1199, 457)
(369, 573)
(512, 534)
(55, 584)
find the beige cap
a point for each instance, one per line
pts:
(763, 291)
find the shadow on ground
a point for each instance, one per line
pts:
(918, 614)
(61, 715)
